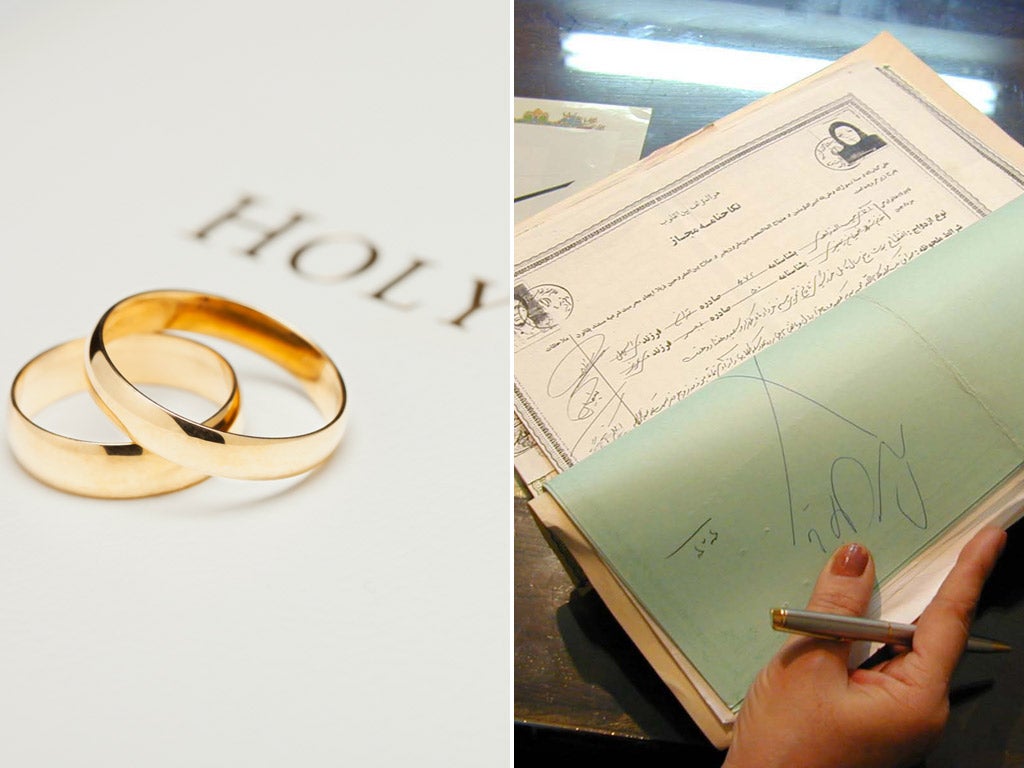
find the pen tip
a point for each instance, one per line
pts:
(987, 646)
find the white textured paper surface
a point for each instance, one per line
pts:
(356, 616)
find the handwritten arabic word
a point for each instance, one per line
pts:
(636, 351)
(700, 546)
(859, 497)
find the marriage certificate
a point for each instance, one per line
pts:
(629, 298)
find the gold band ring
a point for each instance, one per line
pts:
(208, 449)
(113, 470)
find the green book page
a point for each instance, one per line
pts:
(882, 421)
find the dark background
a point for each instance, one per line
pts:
(581, 688)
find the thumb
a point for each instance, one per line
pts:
(845, 583)
(844, 587)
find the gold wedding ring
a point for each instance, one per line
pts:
(117, 470)
(209, 449)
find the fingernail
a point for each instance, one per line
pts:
(851, 560)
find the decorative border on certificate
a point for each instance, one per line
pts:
(703, 173)
(845, 135)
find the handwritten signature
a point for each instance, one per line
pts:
(588, 395)
(857, 495)
(873, 484)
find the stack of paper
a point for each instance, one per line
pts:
(763, 342)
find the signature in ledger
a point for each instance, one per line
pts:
(873, 484)
(864, 480)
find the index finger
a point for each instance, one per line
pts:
(944, 625)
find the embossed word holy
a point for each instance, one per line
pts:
(349, 254)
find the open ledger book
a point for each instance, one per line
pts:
(722, 388)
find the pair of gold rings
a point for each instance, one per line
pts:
(167, 450)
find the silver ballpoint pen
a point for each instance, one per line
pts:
(834, 627)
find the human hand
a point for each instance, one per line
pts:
(807, 709)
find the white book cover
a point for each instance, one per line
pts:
(342, 167)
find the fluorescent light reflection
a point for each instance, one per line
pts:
(685, 62)
(982, 94)
(722, 67)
